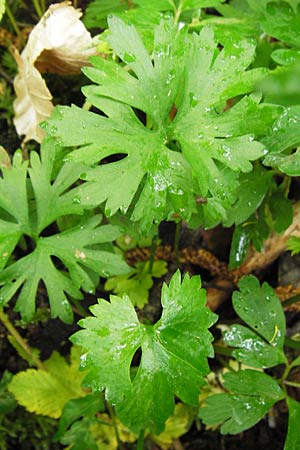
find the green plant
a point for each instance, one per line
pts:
(31, 201)
(174, 355)
(188, 124)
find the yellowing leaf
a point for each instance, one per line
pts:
(59, 43)
(46, 392)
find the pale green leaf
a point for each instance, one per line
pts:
(46, 392)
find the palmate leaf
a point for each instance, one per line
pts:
(191, 144)
(174, 353)
(251, 396)
(75, 248)
(260, 345)
(30, 201)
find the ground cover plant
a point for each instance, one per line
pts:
(157, 205)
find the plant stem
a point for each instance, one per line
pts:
(140, 443)
(292, 383)
(152, 254)
(176, 243)
(114, 423)
(291, 300)
(14, 332)
(37, 8)
(13, 22)
(291, 343)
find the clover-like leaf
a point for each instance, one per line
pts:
(252, 394)
(261, 345)
(167, 122)
(174, 353)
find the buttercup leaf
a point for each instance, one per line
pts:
(191, 144)
(251, 396)
(174, 353)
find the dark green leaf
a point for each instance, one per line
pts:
(293, 435)
(259, 308)
(252, 395)
(73, 410)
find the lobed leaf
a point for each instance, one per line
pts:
(174, 353)
(191, 143)
(251, 396)
(261, 310)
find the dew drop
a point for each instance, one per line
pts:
(76, 199)
(129, 57)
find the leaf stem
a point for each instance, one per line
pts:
(140, 443)
(176, 243)
(14, 332)
(292, 383)
(13, 22)
(291, 343)
(37, 8)
(114, 424)
(291, 300)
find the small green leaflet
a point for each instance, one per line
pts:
(174, 353)
(261, 343)
(190, 145)
(138, 282)
(251, 395)
(75, 409)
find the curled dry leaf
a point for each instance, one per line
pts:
(60, 44)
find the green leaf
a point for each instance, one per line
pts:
(282, 211)
(285, 134)
(137, 283)
(261, 345)
(174, 353)
(162, 164)
(251, 192)
(7, 401)
(293, 245)
(282, 22)
(293, 434)
(80, 436)
(74, 409)
(240, 245)
(46, 392)
(2, 8)
(77, 249)
(251, 396)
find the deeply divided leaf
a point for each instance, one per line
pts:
(169, 123)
